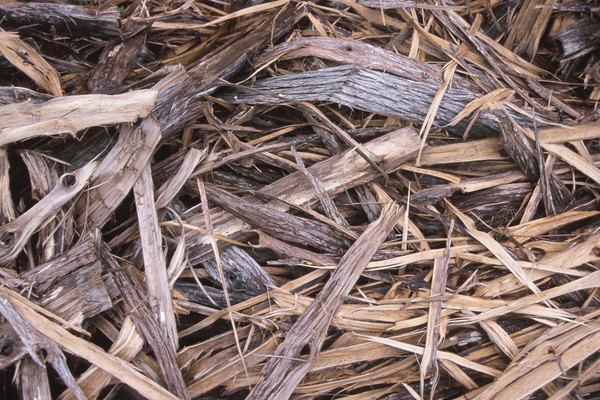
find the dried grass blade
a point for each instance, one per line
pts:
(587, 282)
(496, 248)
(442, 355)
(326, 201)
(281, 374)
(118, 368)
(169, 190)
(34, 342)
(540, 226)
(573, 159)
(30, 62)
(126, 346)
(433, 108)
(435, 329)
(521, 383)
(217, 255)
(259, 8)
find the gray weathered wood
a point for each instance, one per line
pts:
(66, 18)
(370, 91)
(338, 173)
(242, 273)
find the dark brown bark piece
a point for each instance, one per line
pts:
(338, 173)
(282, 225)
(241, 272)
(349, 51)
(66, 18)
(9, 95)
(209, 296)
(117, 60)
(370, 91)
(288, 251)
(136, 304)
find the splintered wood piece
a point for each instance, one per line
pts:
(283, 372)
(79, 255)
(292, 252)
(118, 171)
(371, 91)
(287, 227)
(529, 26)
(435, 326)
(126, 346)
(518, 147)
(180, 102)
(139, 308)
(7, 209)
(68, 19)
(350, 51)
(209, 296)
(57, 335)
(242, 273)
(86, 295)
(42, 177)
(173, 185)
(34, 340)
(71, 114)
(77, 276)
(13, 94)
(117, 61)
(33, 380)
(57, 234)
(155, 266)
(15, 234)
(337, 173)
(30, 62)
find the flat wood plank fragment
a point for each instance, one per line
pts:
(70, 114)
(155, 266)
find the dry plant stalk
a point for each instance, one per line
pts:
(285, 370)
(25, 58)
(358, 199)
